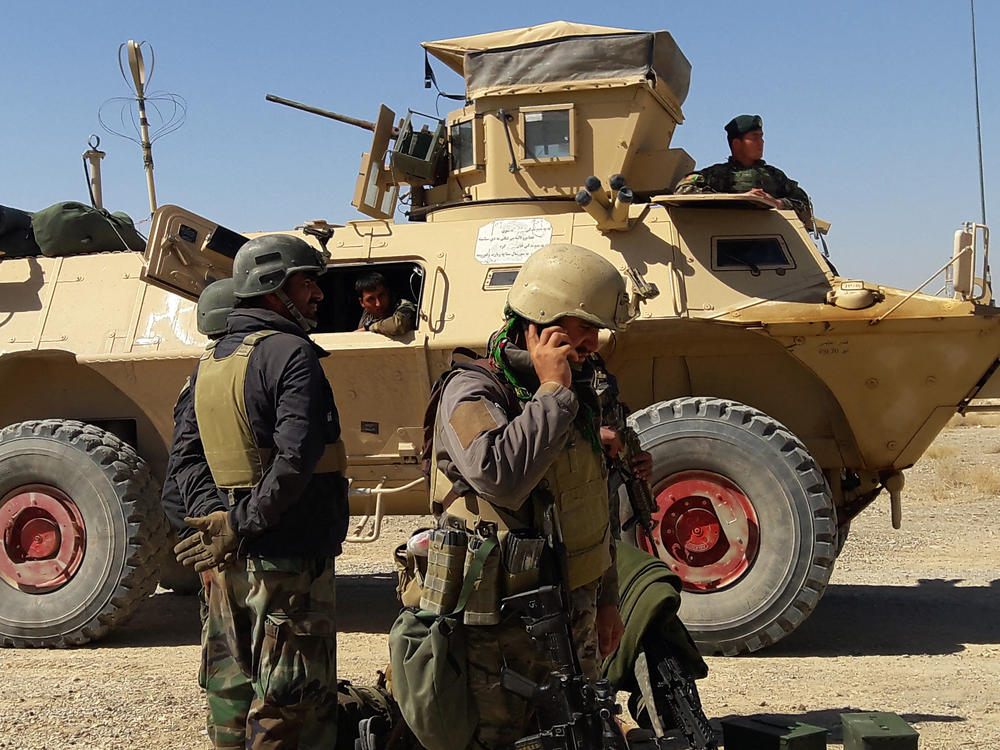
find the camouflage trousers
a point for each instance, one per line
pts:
(269, 655)
(503, 716)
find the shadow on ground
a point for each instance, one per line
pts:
(365, 604)
(938, 616)
(935, 617)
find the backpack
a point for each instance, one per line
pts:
(71, 228)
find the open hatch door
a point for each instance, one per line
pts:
(185, 252)
(375, 191)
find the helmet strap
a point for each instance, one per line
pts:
(305, 323)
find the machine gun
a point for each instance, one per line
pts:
(573, 713)
(417, 157)
(670, 697)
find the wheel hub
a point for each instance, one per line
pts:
(706, 531)
(43, 538)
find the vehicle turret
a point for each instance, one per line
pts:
(547, 108)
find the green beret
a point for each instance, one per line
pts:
(742, 124)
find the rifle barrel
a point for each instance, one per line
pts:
(356, 122)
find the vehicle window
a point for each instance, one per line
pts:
(339, 311)
(461, 145)
(750, 254)
(500, 278)
(548, 132)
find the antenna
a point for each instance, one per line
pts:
(138, 68)
(165, 120)
(979, 128)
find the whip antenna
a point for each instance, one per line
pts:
(166, 110)
(979, 128)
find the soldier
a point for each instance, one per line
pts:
(199, 496)
(270, 432)
(381, 314)
(501, 464)
(747, 172)
(188, 490)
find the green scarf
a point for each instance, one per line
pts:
(585, 418)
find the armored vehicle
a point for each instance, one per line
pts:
(778, 399)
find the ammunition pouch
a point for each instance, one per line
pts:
(513, 567)
(410, 573)
(430, 682)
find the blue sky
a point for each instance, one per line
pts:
(869, 105)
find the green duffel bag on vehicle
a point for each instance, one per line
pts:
(71, 228)
(430, 681)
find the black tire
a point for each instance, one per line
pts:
(794, 552)
(116, 500)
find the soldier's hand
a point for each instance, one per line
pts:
(551, 354)
(642, 465)
(610, 628)
(212, 547)
(761, 193)
(611, 441)
(188, 548)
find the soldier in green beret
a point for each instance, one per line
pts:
(746, 172)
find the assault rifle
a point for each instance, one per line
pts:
(573, 713)
(620, 467)
(670, 696)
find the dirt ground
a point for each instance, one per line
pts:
(910, 623)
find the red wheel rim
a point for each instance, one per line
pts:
(706, 529)
(43, 538)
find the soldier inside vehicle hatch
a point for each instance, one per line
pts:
(383, 313)
(746, 172)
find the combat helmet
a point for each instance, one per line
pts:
(214, 304)
(263, 265)
(563, 279)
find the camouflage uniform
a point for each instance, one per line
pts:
(269, 663)
(401, 320)
(733, 177)
(270, 659)
(503, 458)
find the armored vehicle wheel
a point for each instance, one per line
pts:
(81, 527)
(745, 518)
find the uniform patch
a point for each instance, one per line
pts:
(691, 178)
(470, 419)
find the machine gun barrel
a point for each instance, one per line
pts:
(356, 122)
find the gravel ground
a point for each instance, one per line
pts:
(910, 623)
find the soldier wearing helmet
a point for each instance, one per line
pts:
(199, 495)
(269, 433)
(525, 434)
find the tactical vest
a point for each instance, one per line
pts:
(579, 486)
(232, 453)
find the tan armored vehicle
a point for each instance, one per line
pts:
(777, 398)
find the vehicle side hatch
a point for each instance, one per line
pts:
(186, 252)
